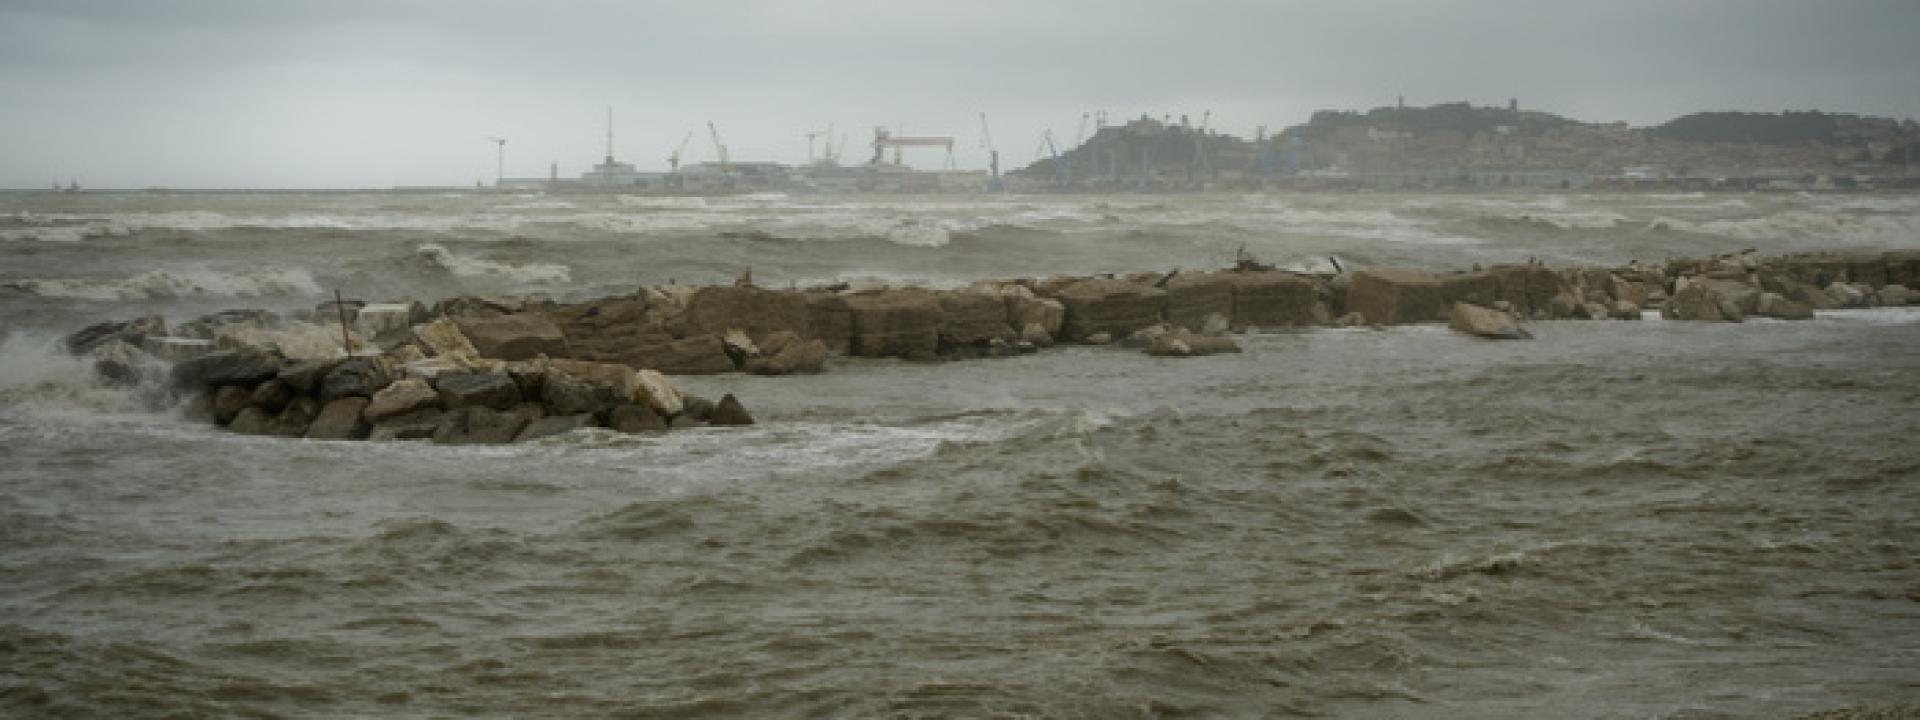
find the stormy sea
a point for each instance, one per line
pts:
(1614, 520)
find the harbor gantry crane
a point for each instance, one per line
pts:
(499, 160)
(673, 161)
(884, 138)
(994, 183)
(719, 148)
(1081, 138)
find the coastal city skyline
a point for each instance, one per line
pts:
(297, 95)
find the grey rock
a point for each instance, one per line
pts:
(1485, 322)
(479, 426)
(520, 336)
(340, 420)
(304, 377)
(354, 377)
(229, 367)
(567, 394)
(272, 395)
(401, 397)
(729, 411)
(228, 401)
(482, 388)
(252, 421)
(86, 339)
(417, 425)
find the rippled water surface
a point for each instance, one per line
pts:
(1616, 519)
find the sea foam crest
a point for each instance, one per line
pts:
(473, 267)
(176, 283)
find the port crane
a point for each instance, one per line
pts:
(673, 161)
(994, 183)
(1060, 170)
(719, 148)
(884, 138)
(500, 158)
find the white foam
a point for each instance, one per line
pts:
(37, 373)
(472, 267)
(176, 283)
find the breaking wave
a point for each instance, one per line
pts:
(175, 283)
(473, 267)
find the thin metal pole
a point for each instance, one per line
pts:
(346, 340)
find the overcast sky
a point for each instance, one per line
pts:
(376, 93)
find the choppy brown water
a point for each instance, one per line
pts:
(1614, 520)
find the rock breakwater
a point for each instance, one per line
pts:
(494, 370)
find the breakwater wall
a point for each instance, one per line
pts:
(494, 370)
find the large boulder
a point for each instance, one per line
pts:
(1697, 301)
(402, 397)
(1846, 296)
(1478, 288)
(443, 338)
(729, 411)
(784, 353)
(477, 388)
(1531, 288)
(1023, 310)
(653, 390)
(565, 393)
(420, 424)
(713, 310)
(341, 419)
(1395, 296)
(354, 377)
(304, 377)
(1743, 296)
(272, 395)
(1181, 343)
(134, 332)
(520, 336)
(229, 401)
(296, 417)
(698, 355)
(1113, 306)
(1192, 297)
(1272, 298)
(227, 367)
(972, 319)
(831, 320)
(479, 426)
(1777, 306)
(895, 323)
(1485, 322)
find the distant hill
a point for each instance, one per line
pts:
(1787, 128)
(1459, 117)
(1459, 144)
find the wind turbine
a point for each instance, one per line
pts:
(500, 161)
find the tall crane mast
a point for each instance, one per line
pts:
(673, 161)
(994, 183)
(500, 160)
(719, 148)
